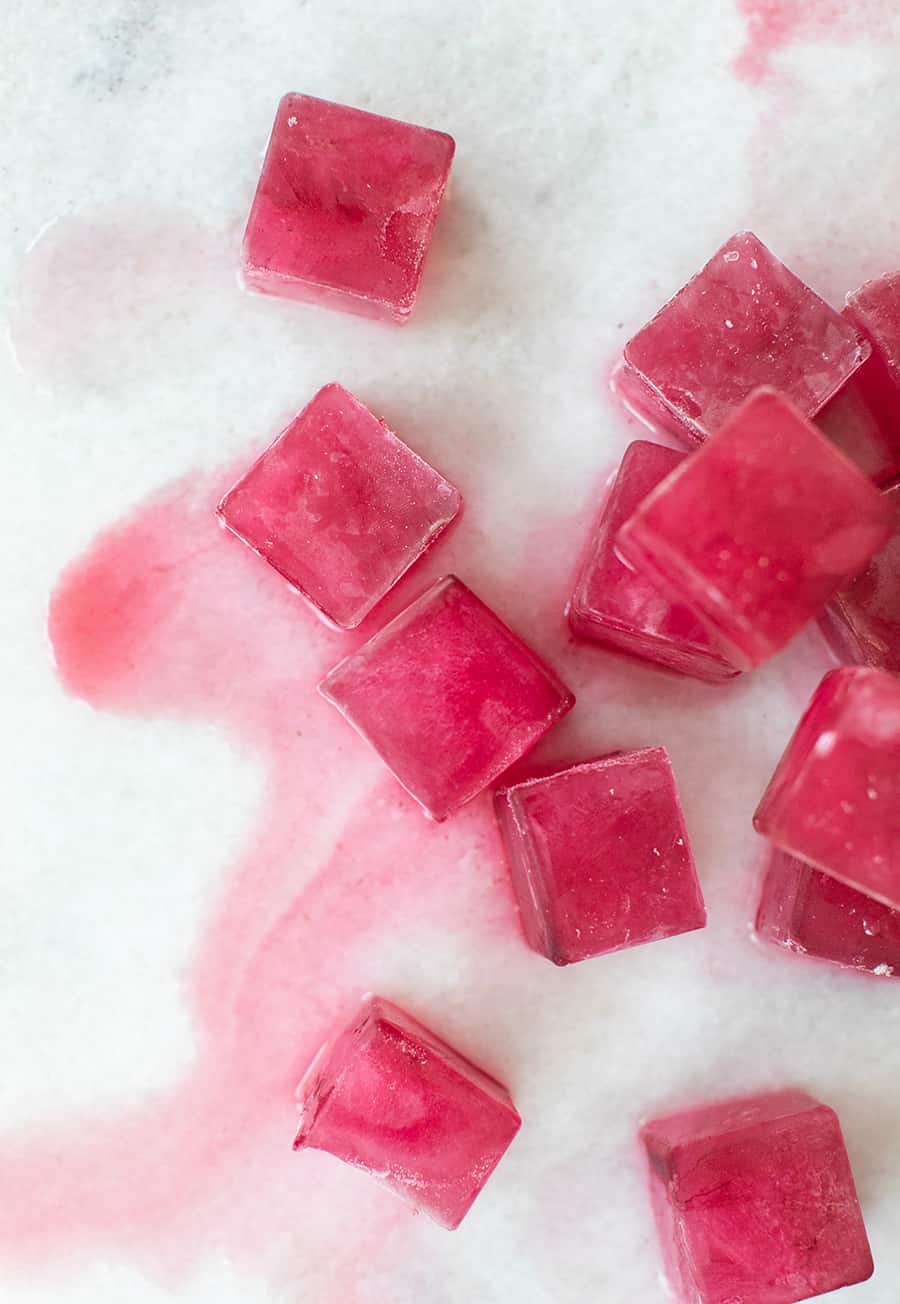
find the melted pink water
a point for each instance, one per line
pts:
(168, 614)
(118, 335)
(774, 24)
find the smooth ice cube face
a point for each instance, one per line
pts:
(806, 911)
(614, 604)
(757, 530)
(862, 623)
(345, 208)
(755, 1202)
(340, 506)
(448, 696)
(599, 856)
(742, 322)
(864, 418)
(834, 799)
(389, 1097)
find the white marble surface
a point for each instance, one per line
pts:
(604, 149)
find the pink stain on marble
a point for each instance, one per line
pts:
(774, 24)
(115, 333)
(166, 614)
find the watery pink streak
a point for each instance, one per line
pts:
(166, 614)
(774, 24)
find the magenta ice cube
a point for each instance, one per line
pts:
(389, 1097)
(742, 322)
(875, 310)
(614, 604)
(345, 208)
(864, 418)
(806, 911)
(599, 856)
(834, 799)
(757, 530)
(340, 506)
(755, 1202)
(863, 421)
(448, 696)
(862, 623)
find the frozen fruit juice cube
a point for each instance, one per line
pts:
(834, 799)
(340, 506)
(599, 856)
(875, 310)
(862, 623)
(813, 913)
(345, 208)
(742, 322)
(755, 1201)
(389, 1097)
(757, 530)
(613, 603)
(863, 421)
(864, 418)
(448, 696)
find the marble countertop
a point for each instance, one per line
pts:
(202, 867)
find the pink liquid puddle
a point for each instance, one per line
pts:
(118, 333)
(774, 24)
(167, 614)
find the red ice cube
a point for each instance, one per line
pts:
(834, 799)
(448, 696)
(389, 1097)
(345, 208)
(864, 417)
(613, 603)
(599, 856)
(742, 322)
(340, 506)
(862, 623)
(757, 530)
(755, 1202)
(813, 913)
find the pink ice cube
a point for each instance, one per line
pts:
(834, 800)
(757, 530)
(862, 623)
(389, 1097)
(345, 208)
(340, 506)
(813, 913)
(599, 856)
(755, 1202)
(448, 696)
(875, 310)
(619, 606)
(864, 418)
(742, 322)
